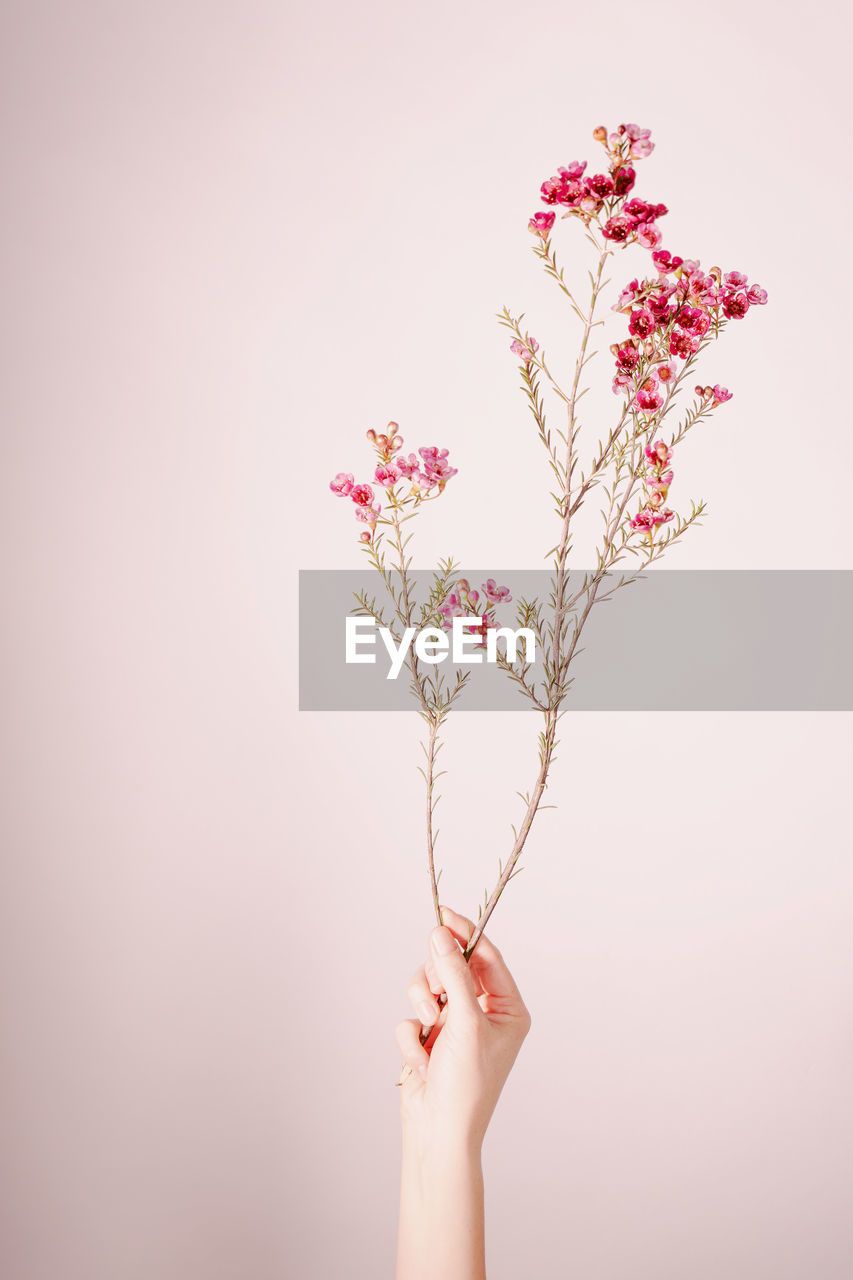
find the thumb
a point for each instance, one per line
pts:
(453, 972)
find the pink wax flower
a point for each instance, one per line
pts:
(600, 186)
(665, 261)
(566, 188)
(387, 475)
(658, 453)
(639, 210)
(642, 323)
(627, 356)
(623, 180)
(541, 223)
(659, 483)
(628, 295)
(407, 467)
(659, 306)
(647, 518)
(735, 305)
(694, 320)
(756, 295)
(524, 352)
(362, 495)
(735, 279)
(682, 344)
(621, 383)
(342, 484)
(720, 394)
(617, 229)
(433, 456)
(436, 468)
(666, 372)
(641, 148)
(495, 594)
(649, 236)
(649, 398)
(368, 514)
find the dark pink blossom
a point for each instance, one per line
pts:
(648, 519)
(617, 229)
(642, 323)
(658, 454)
(566, 187)
(694, 320)
(638, 210)
(682, 344)
(541, 223)
(599, 185)
(649, 398)
(735, 305)
(362, 495)
(665, 262)
(627, 356)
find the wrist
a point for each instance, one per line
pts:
(436, 1148)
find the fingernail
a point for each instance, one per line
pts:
(428, 1013)
(422, 1071)
(443, 941)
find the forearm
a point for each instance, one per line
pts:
(441, 1230)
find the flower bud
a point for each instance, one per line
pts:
(393, 427)
(600, 134)
(365, 537)
(371, 435)
(382, 441)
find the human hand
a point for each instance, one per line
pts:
(456, 1077)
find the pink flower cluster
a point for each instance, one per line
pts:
(601, 197)
(657, 478)
(464, 602)
(427, 471)
(524, 352)
(670, 315)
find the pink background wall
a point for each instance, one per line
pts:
(235, 236)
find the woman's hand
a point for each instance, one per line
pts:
(448, 1091)
(456, 1077)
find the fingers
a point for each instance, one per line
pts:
(414, 1054)
(487, 963)
(421, 998)
(454, 974)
